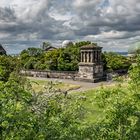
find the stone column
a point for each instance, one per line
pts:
(91, 57)
(100, 56)
(88, 57)
(97, 56)
(83, 56)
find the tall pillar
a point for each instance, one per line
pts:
(82, 60)
(87, 56)
(100, 56)
(83, 56)
(91, 57)
(90, 68)
(97, 56)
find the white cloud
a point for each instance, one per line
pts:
(112, 23)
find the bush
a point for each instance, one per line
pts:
(121, 107)
(8, 64)
(115, 61)
(28, 115)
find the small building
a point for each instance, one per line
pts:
(2, 50)
(66, 43)
(50, 48)
(91, 65)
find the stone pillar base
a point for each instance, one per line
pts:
(95, 80)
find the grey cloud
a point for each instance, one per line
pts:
(63, 19)
(7, 14)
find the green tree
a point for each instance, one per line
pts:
(25, 114)
(51, 59)
(115, 61)
(69, 58)
(32, 58)
(7, 65)
(121, 107)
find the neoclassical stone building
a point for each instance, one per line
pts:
(91, 65)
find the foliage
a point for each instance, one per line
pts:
(32, 58)
(51, 59)
(29, 115)
(134, 49)
(7, 65)
(121, 109)
(26, 114)
(67, 59)
(61, 59)
(114, 61)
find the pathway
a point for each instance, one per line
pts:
(83, 85)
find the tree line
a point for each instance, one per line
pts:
(67, 59)
(26, 114)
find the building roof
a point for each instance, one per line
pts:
(66, 43)
(91, 46)
(50, 48)
(2, 50)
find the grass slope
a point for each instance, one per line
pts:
(40, 84)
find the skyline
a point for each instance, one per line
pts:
(113, 24)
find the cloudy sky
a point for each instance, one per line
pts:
(114, 24)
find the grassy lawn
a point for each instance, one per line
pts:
(93, 111)
(40, 84)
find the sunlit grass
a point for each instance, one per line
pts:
(91, 107)
(93, 112)
(41, 84)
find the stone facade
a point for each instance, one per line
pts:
(91, 66)
(50, 74)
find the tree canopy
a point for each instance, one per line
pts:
(67, 59)
(26, 114)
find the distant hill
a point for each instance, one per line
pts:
(123, 53)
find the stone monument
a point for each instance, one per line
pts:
(91, 65)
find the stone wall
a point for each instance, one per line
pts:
(50, 74)
(90, 72)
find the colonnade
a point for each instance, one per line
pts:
(90, 56)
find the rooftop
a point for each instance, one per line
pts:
(2, 50)
(90, 46)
